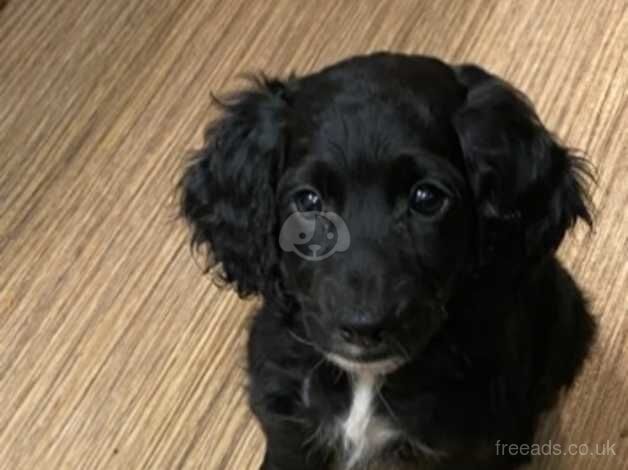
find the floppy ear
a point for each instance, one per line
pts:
(228, 189)
(528, 187)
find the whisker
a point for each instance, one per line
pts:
(387, 405)
(316, 366)
(301, 340)
(404, 352)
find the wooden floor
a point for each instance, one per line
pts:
(115, 352)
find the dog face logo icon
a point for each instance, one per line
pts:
(314, 236)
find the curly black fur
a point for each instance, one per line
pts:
(488, 325)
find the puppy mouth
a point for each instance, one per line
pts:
(381, 366)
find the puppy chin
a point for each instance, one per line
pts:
(380, 367)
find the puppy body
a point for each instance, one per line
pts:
(445, 323)
(486, 377)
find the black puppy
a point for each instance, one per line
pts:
(399, 217)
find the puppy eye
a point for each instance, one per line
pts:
(308, 201)
(427, 199)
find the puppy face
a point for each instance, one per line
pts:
(381, 161)
(368, 193)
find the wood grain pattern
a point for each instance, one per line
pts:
(115, 353)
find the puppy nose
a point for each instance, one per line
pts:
(362, 331)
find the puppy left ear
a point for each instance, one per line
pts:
(520, 175)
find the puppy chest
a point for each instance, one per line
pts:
(363, 432)
(366, 434)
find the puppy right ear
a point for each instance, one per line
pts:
(529, 188)
(228, 188)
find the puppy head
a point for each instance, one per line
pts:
(371, 192)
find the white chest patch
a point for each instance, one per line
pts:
(364, 433)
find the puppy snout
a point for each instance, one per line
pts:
(362, 330)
